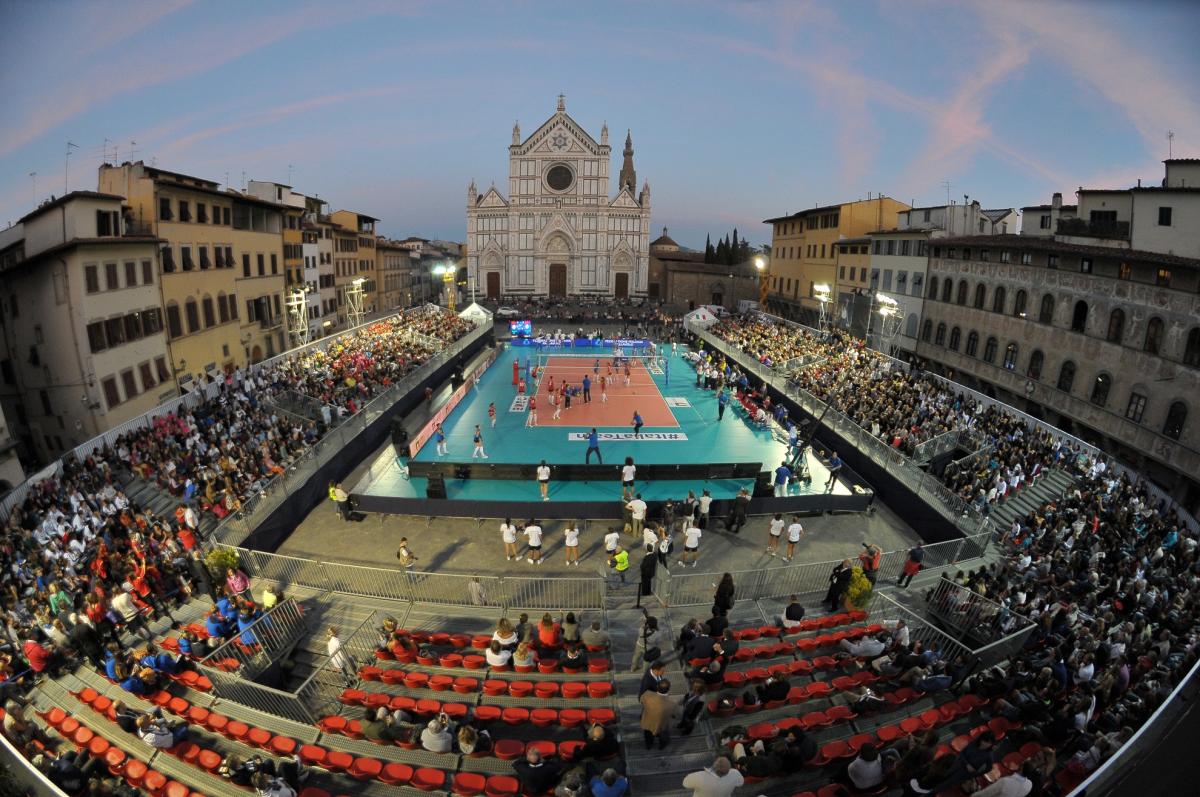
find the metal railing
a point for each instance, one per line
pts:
(936, 446)
(887, 611)
(693, 589)
(289, 705)
(262, 642)
(448, 589)
(320, 691)
(979, 621)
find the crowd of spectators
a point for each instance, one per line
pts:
(903, 407)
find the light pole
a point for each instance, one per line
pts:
(822, 293)
(764, 279)
(891, 314)
(354, 302)
(446, 272)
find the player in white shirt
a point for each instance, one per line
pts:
(543, 478)
(509, 534)
(776, 531)
(691, 545)
(611, 541)
(572, 542)
(794, 532)
(533, 533)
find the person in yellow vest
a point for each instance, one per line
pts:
(340, 498)
(619, 561)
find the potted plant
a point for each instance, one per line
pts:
(220, 560)
(858, 591)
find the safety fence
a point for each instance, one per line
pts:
(449, 589)
(303, 406)
(808, 578)
(262, 642)
(332, 672)
(934, 447)
(237, 527)
(992, 631)
(887, 611)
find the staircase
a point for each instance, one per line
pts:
(151, 496)
(1050, 486)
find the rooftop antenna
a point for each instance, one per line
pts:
(1170, 144)
(67, 168)
(107, 141)
(946, 185)
(243, 180)
(33, 179)
(289, 174)
(132, 150)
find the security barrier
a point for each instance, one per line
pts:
(262, 643)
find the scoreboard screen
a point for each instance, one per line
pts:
(520, 329)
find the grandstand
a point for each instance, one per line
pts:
(997, 488)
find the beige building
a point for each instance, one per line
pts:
(685, 280)
(84, 343)
(296, 288)
(394, 264)
(221, 263)
(354, 263)
(803, 250)
(12, 472)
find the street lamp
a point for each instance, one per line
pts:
(354, 302)
(891, 314)
(764, 280)
(822, 293)
(446, 271)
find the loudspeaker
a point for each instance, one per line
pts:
(399, 433)
(762, 485)
(436, 487)
(462, 471)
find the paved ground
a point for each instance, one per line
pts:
(472, 545)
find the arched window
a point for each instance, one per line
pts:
(998, 300)
(962, 291)
(1019, 304)
(933, 285)
(927, 330)
(1116, 326)
(1079, 317)
(955, 336)
(222, 307)
(947, 286)
(1191, 352)
(1010, 356)
(1154, 334)
(1066, 376)
(1100, 389)
(989, 350)
(192, 311)
(980, 293)
(1034, 371)
(972, 343)
(1046, 313)
(174, 327)
(210, 318)
(1176, 416)
(940, 337)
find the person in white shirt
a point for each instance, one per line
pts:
(339, 658)
(628, 474)
(776, 531)
(543, 479)
(508, 532)
(572, 542)
(650, 537)
(719, 780)
(637, 509)
(794, 532)
(497, 656)
(691, 546)
(611, 541)
(705, 504)
(1016, 784)
(533, 533)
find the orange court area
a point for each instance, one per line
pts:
(641, 395)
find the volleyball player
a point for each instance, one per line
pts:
(492, 414)
(478, 452)
(532, 419)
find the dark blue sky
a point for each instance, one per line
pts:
(739, 111)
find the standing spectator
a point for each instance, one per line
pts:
(571, 542)
(774, 532)
(198, 570)
(628, 474)
(648, 645)
(691, 546)
(839, 579)
(658, 712)
(508, 533)
(692, 707)
(609, 784)
(619, 562)
(723, 595)
(737, 514)
(405, 554)
(912, 565)
(794, 532)
(476, 591)
(339, 658)
(238, 583)
(637, 510)
(870, 559)
(543, 479)
(719, 780)
(704, 505)
(533, 534)
(646, 570)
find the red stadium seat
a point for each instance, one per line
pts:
(857, 741)
(567, 749)
(464, 685)
(598, 690)
(514, 715)
(502, 786)
(259, 737)
(495, 687)
(284, 746)
(155, 783)
(312, 755)
(440, 683)
(353, 697)
(332, 724)
(114, 759)
(520, 688)
(546, 748)
(455, 711)
(468, 784)
(474, 662)
(571, 717)
(488, 713)
(543, 717)
(366, 768)
(601, 716)
(427, 779)
(396, 774)
(338, 761)
(545, 690)
(508, 749)
(209, 760)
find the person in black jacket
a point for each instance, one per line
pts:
(647, 570)
(737, 514)
(692, 707)
(198, 570)
(654, 673)
(537, 775)
(723, 595)
(774, 688)
(600, 744)
(85, 641)
(839, 579)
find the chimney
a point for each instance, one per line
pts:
(1056, 200)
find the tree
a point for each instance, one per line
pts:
(733, 249)
(709, 252)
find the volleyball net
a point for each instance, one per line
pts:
(616, 356)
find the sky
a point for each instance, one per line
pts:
(739, 111)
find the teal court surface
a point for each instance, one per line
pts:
(681, 428)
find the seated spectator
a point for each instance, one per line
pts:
(866, 647)
(793, 613)
(19, 730)
(865, 772)
(42, 658)
(549, 632)
(599, 744)
(776, 687)
(535, 774)
(69, 770)
(574, 660)
(595, 638)
(609, 784)
(472, 741)
(756, 761)
(267, 786)
(524, 656)
(570, 629)
(505, 636)
(437, 736)
(379, 725)
(496, 655)
(160, 733)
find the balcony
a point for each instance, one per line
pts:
(1083, 228)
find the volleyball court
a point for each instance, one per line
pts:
(640, 395)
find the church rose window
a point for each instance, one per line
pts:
(559, 177)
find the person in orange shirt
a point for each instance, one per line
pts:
(870, 559)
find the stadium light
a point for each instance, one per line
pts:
(446, 271)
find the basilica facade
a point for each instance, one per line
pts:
(558, 232)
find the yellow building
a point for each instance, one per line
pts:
(354, 255)
(804, 250)
(221, 265)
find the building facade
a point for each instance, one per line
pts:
(84, 346)
(558, 232)
(804, 253)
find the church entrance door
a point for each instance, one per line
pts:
(558, 279)
(493, 285)
(621, 286)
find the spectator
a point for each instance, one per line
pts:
(792, 615)
(658, 712)
(595, 638)
(609, 784)
(437, 736)
(158, 732)
(718, 780)
(535, 774)
(600, 744)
